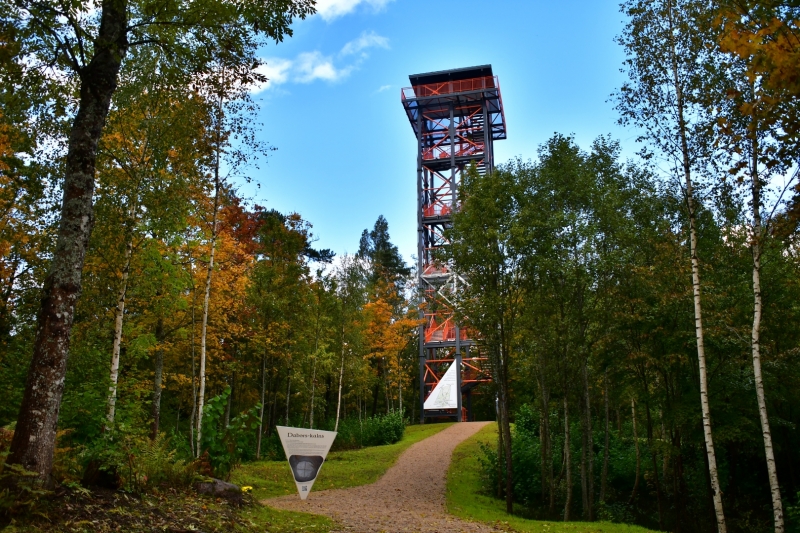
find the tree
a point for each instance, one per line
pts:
(755, 137)
(90, 46)
(485, 249)
(765, 36)
(666, 64)
(152, 159)
(384, 257)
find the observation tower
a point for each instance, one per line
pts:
(456, 115)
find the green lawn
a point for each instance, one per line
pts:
(464, 500)
(341, 470)
(263, 518)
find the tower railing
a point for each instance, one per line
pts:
(450, 87)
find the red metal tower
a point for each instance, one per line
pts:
(456, 116)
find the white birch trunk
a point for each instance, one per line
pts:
(119, 314)
(194, 372)
(339, 401)
(698, 315)
(207, 298)
(758, 232)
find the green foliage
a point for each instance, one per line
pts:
(141, 464)
(372, 431)
(468, 497)
(226, 445)
(20, 490)
(793, 515)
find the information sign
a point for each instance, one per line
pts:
(306, 450)
(445, 394)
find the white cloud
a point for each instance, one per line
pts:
(311, 66)
(384, 88)
(331, 9)
(276, 70)
(365, 41)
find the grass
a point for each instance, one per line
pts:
(341, 469)
(262, 518)
(464, 498)
(78, 510)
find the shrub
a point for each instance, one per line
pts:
(136, 463)
(373, 431)
(227, 445)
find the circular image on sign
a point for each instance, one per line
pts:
(305, 467)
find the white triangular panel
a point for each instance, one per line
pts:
(445, 393)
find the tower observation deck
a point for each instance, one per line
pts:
(456, 116)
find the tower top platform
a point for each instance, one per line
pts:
(455, 74)
(437, 98)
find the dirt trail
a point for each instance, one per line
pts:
(409, 497)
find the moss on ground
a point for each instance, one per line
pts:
(466, 500)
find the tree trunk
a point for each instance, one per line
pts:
(339, 399)
(500, 447)
(157, 379)
(34, 438)
(584, 481)
(375, 393)
(638, 455)
(313, 391)
(544, 438)
(193, 418)
(229, 404)
(604, 479)
(758, 233)
(542, 457)
(507, 450)
(567, 461)
(288, 393)
(698, 315)
(589, 445)
(261, 411)
(654, 457)
(119, 314)
(678, 482)
(207, 297)
(327, 399)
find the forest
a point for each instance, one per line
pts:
(639, 315)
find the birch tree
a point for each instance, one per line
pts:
(663, 98)
(759, 163)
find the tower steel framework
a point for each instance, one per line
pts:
(456, 116)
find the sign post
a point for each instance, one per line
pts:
(306, 450)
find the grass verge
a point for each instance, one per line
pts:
(78, 510)
(341, 469)
(464, 498)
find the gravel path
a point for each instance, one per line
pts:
(409, 497)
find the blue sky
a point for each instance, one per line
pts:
(345, 151)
